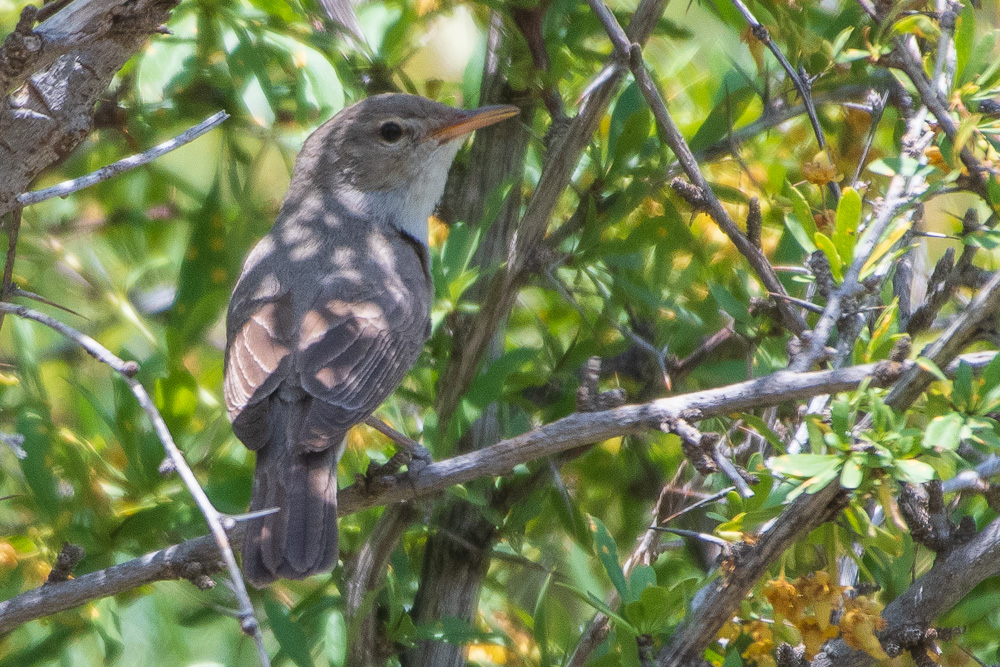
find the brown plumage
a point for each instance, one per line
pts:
(330, 312)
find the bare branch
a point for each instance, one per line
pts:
(956, 337)
(801, 85)
(131, 162)
(499, 459)
(73, 56)
(128, 370)
(632, 54)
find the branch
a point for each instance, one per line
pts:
(74, 55)
(499, 459)
(911, 65)
(804, 87)
(956, 337)
(6, 285)
(933, 594)
(632, 53)
(131, 162)
(128, 370)
(561, 159)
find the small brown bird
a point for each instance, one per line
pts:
(331, 311)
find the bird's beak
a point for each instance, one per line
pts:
(469, 121)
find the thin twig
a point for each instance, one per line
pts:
(632, 54)
(14, 226)
(128, 370)
(762, 35)
(131, 162)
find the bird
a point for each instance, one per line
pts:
(331, 310)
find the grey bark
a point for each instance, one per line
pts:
(65, 64)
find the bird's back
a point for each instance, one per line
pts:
(327, 318)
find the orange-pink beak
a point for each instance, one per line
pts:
(469, 121)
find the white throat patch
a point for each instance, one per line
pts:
(407, 208)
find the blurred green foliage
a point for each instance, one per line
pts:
(149, 258)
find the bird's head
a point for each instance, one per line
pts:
(387, 157)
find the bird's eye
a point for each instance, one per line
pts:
(390, 132)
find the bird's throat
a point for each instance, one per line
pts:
(407, 207)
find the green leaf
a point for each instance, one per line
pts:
(837, 45)
(800, 223)
(733, 659)
(631, 122)
(840, 413)
(825, 243)
(961, 388)
(540, 620)
(848, 219)
(884, 247)
(488, 386)
(290, 635)
(965, 38)
(991, 374)
(641, 578)
(917, 24)
(944, 431)
(929, 366)
(734, 98)
(852, 475)
(607, 553)
(649, 613)
(804, 465)
(964, 134)
(758, 425)
(599, 605)
(735, 307)
(913, 471)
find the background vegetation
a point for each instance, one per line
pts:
(631, 272)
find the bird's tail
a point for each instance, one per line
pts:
(300, 539)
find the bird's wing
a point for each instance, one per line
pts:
(354, 347)
(259, 342)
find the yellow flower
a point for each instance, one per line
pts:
(784, 598)
(817, 590)
(763, 643)
(814, 634)
(8, 556)
(862, 618)
(821, 169)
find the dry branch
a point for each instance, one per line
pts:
(131, 162)
(631, 52)
(65, 64)
(127, 370)
(578, 429)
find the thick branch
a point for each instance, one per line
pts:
(567, 433)
(933, 594)
(724, 594)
